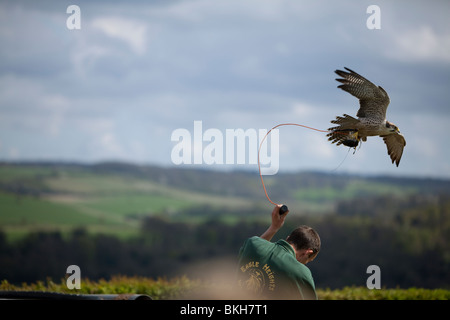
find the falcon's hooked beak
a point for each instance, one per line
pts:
(392, 127)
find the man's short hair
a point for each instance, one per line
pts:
(305, 237)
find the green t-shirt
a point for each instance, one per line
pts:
(270, 270)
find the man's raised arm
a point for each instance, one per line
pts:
(277, 223)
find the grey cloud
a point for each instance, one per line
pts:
(104, 91)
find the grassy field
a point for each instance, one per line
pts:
(353, 189)
(71, 197)
(112, 198)
(185, 288)
(65, 197)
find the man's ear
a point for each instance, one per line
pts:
(309, 252)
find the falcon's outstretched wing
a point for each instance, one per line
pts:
(373, 100)
(395, 144)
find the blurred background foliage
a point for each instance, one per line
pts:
(120, 219)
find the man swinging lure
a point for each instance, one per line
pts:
(277, 270)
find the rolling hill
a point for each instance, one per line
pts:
(119, 218)
(112, 197)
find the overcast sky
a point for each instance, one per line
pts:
(118, 87)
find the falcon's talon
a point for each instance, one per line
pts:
(354, 135)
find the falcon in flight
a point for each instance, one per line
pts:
(373, 103)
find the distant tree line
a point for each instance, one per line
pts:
(410, 244)
(235, 183)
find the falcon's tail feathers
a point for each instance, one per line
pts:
(345, 133)
(345, 122)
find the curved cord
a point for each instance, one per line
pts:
(259, 166)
